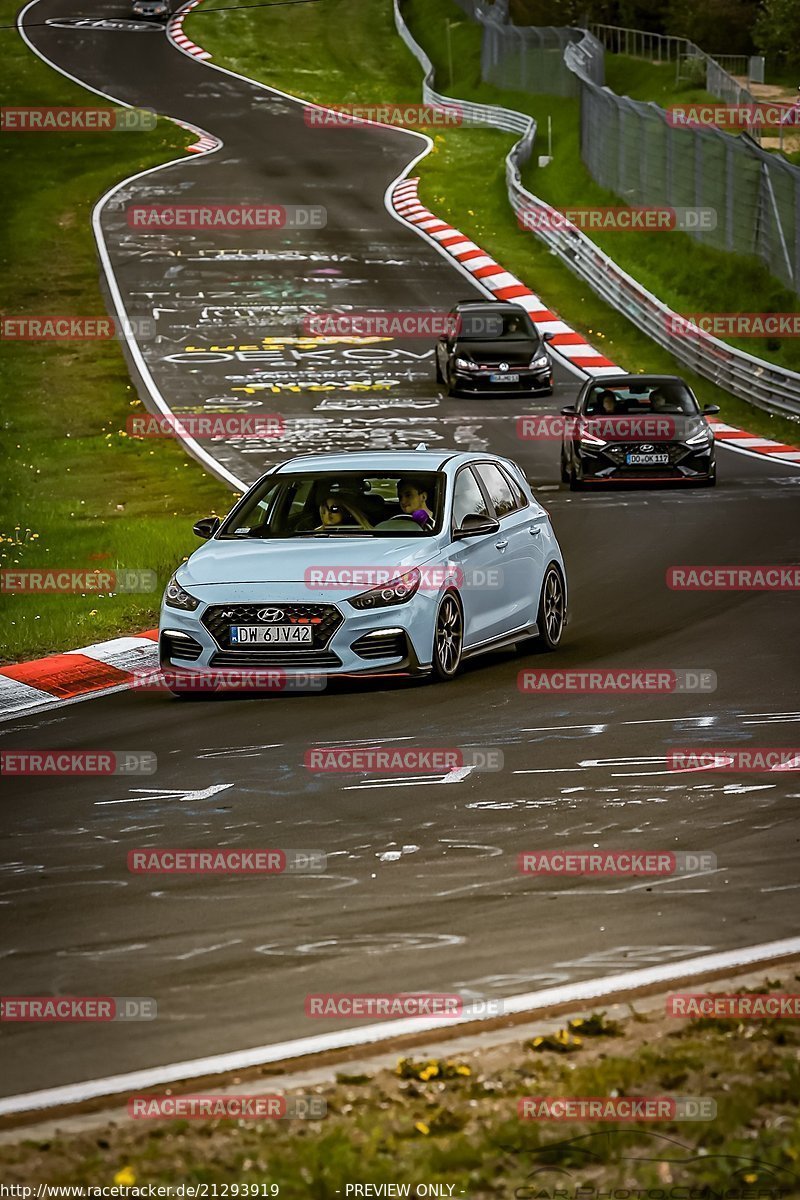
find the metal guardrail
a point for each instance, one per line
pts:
(755, 380)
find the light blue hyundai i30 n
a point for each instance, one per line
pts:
(368, 563)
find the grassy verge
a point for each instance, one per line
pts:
(454, 1122)
(76, 491)
(642, 79)
(341, 54)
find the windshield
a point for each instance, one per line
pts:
(641, 398)
(488, 325)
(341, 504)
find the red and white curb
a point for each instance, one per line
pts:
(731, 436)
(206, 141)
(176, 34)
(102, 667)
(501, 283)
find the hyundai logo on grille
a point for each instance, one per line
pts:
(270, 614)
(647, 446)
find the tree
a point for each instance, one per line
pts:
(717, 26)
(777, 32)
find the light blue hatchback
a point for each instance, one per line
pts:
(369, 563)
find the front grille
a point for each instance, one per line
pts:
(372, 646)
(515, 368)
(324, 619)
(185, 648)
(275, 657)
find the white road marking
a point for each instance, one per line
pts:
(206, 950)
(168, 794)
(548, 728)
(586, 991)
(453, 776)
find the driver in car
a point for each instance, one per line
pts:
(413, 499)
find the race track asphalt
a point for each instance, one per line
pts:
(422, 890)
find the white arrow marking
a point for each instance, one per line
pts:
(168, 794)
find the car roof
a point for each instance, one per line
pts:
(407, 461)
(616, 380)
(495, 305)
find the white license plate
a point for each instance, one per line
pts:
(504, 379)
(647, 460)
(271, 635)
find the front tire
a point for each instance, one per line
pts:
(448, 639)
(552, 611)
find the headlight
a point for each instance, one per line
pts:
(541, 361)
(463, 364)
(701, 438)
(587, 438)
(176, 597)
(396, 591)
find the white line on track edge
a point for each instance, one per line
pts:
(218, 1064)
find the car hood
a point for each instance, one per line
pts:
(290, 561)
(514, 353)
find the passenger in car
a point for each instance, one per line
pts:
(341, 509)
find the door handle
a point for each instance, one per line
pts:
(502, 544)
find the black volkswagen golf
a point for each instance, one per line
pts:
(637, 429)
(493, 347)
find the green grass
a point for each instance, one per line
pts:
(454, 1121)
(342, 54)
(642, 79)
(76, 492)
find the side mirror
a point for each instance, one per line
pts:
(547, 337)
(207, 527)
(569, 410)
(474, 525)
(711, 409)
